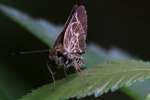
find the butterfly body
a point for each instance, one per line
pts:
(71, 43)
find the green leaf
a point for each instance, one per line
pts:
(97, 80)
(46, 32)
(148, 97)
(139, 90)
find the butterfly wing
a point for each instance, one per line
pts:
(75, 32)
(60, 37)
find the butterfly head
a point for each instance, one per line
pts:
(75, 60)
(78, 62)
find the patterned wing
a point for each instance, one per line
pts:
(76, 30)
(60, 37)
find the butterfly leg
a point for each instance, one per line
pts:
(65, 71)
(77, 67)
(52, 74)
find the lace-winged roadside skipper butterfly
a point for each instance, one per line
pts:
(71, 43)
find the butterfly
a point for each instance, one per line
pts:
(71, 43)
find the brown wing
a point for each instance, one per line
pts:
(75, 32)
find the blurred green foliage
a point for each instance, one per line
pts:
(11, 86)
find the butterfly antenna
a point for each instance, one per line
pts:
(52, 74)
(30, 52)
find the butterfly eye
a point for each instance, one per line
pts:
(76, 59)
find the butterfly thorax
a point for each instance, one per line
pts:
(66, 59)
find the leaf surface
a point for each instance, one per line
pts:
(96, 80)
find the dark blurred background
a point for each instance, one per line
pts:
(121, 23)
